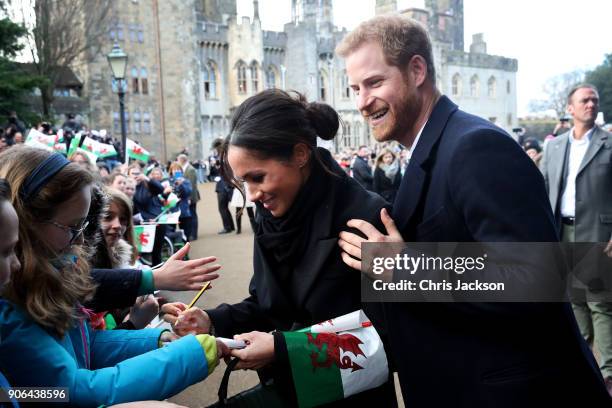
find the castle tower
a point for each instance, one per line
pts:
(218, 11)
(325, 18)
(451, 11)
(319, 12)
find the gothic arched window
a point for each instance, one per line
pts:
(271, 77)
(346, 89)
(242, 80)
(492, 87)
(209, 77)
(347, 135)
(474, 86)
(456, 85)
(254, 77)
(322, 86)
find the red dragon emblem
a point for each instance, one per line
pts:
(335, 342)
(143, 238)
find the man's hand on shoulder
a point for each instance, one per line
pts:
(351, 243)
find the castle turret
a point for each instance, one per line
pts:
(255, 10)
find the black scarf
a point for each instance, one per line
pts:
(283, 240)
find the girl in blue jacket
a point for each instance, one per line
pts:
(45, 337)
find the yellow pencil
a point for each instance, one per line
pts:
(195, 299)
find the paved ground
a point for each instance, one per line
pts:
(235, 255)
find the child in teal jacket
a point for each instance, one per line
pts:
(45, 338)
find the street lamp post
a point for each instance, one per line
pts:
(117, 59)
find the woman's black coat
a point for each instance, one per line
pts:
(323, 286)
(326, 287)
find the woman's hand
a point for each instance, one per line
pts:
(177, 274)
(184, 322)
(258, 353)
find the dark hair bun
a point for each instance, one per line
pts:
(323, 119)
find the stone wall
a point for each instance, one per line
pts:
(180, 74)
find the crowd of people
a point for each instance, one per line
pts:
(75, 302)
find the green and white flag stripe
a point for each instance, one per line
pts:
(137, 152)
(74, 144)
(169, 218)
(336, 359)
(170, 202)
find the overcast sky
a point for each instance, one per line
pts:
(548, 37)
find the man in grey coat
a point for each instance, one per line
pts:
(577, 169)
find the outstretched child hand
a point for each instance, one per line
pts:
(143, 311)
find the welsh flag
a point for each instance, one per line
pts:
(36, 138)
(144, 235)
(136, 151)
(38, 145)
(101, 150)
(169, 218)
(336, 359)
(170, 202)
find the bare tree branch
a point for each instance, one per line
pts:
(62, 33)
(557, 88)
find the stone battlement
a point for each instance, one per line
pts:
(468, 59)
